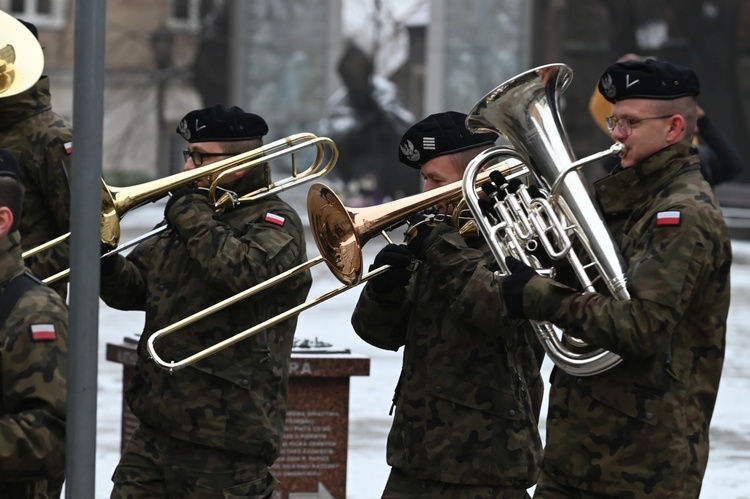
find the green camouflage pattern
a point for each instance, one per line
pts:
(470, 390)
(36, 136)
(187, 470)
(401, 486)
(34, 391)
(641, 429)
(234, 399)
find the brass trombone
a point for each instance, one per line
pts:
(340, 233)
(116, 201)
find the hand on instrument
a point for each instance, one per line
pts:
(491, 189)
(185, 193)
(488, 209)
(513, 286)
(420, 228)
(399, 257)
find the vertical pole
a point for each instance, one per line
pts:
(88, 110)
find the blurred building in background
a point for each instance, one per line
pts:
(283, 60)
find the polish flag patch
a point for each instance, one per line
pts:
(275, 219)
(665, 218)
(43, 332)
(69, 147)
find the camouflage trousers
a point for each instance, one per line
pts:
(547, 488)
(155, 465)
(21, 490)
(400, 486)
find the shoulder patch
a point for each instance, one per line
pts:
(666, 218)
(43, 332)
(274, 219)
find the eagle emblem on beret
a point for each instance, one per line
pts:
(184, 130)
(411, 152)
(608, 86)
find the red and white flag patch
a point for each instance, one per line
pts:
(275, 219)
(668, 218)
(69, 147)
(43, 332)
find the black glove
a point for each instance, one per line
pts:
(488, 209)
(420, 228)
(398, 257)
(513, 286)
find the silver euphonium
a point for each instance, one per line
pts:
(560, 215)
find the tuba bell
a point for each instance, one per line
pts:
(555, 211)
(21, 57)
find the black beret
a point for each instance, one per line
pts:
(649, 79)
(9, 166)
(220, 124)
(439, 134)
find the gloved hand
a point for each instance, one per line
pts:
(513, 286)
(398, 256)
(488, 209)
(420, 228)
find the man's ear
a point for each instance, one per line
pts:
(6, 220)
(676, 128)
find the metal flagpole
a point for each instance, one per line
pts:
(88, 111)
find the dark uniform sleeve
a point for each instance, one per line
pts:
(32, 426)
(122, 283)
(54, 181)
(381, 320)
(263, 250)
(50, 176)
(668, 267)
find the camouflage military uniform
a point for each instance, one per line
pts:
(34, 366)
(233, 401)
(470, 391)
(641, 428)
(37, 137)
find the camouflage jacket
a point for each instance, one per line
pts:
(37, 137)
(470, 390)
(641, 428)
(234, 399)
(33, 367)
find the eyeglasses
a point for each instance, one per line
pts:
(625, 125)
(198, 156)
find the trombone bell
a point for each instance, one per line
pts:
(340, 232)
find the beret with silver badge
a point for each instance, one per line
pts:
(437, 135)
(220, 124)
(649, 79)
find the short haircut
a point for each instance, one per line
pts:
(685, 107)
